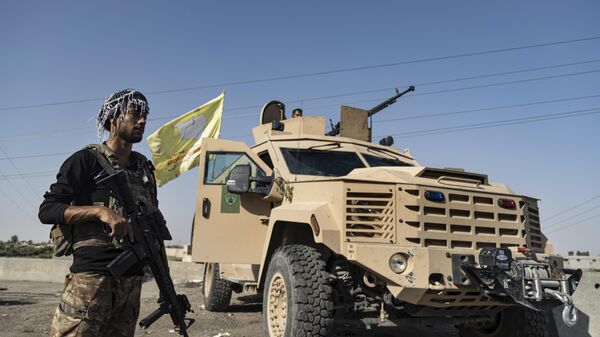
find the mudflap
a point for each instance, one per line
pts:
(538, 285)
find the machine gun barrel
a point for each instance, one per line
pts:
(390, 101)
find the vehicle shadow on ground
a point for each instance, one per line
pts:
(250, 303)
(16, 302)
(245, 308)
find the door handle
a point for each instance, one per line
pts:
(205, 208)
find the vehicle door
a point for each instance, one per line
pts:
(228, 227)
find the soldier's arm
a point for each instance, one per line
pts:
(73, 175)
(118, 224)
(76, 175)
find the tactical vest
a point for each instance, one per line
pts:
(142, 184)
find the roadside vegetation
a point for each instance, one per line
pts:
(16, 248)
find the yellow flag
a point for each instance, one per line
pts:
(175, 146)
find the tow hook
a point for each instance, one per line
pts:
(569, 314)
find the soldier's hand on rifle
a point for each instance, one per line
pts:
(118, 224)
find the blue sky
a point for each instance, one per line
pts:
(62, 51)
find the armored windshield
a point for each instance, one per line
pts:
(321, 163)
(375, 161)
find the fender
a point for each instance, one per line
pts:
(327, 232)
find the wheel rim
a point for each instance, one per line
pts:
(208, 279)
(277, 306)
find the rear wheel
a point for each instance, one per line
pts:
(297, 298)
(216, 292)
(513, 322)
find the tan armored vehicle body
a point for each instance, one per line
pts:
(334, 228)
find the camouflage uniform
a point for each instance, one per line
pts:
(97, 305)
(94, 304)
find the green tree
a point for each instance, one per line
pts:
(14, 239)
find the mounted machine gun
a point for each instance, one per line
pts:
(353, 121)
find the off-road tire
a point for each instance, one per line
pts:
(513, 322)
(297, 294)
(216, 292)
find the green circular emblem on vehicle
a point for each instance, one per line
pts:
(230, 199)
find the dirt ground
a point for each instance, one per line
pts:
(26, 310)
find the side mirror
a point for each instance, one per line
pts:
(239, 179)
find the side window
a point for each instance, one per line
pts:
(219, 164)
(264, 156)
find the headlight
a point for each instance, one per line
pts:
(398, 263)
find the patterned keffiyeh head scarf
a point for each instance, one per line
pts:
(117, 103)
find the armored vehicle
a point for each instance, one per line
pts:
(335, 228)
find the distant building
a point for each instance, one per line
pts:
(582, 262)
(179, 252)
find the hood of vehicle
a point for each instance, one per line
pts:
(442, 177)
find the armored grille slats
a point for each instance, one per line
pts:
(466, 220)
(370, 214)
(533, 235)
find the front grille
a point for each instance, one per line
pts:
(369, 213)
(467, 220)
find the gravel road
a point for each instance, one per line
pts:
(26, 310)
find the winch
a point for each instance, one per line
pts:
(538, 285)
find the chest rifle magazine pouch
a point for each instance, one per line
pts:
(62, 240)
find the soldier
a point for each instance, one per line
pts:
(297, 113)
(92, 226)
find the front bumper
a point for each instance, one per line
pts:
(525, 281)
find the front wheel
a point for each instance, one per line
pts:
(216, 292)
(297, 298)
(513, 322)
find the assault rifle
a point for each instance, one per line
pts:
(335, 129)
(147, 248)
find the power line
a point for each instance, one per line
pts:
(463, 88)
(497, 123)
(503, 123)
(412, 95)
(78, 131)
(320, 73)
(512, 72)
(572, 207)
(17, 205)
(16, 189)
(377, 121)
(573, 216)
(486, 109)
(36, 156)
(573, 224)
(72, 131)
(435, 131)
(381, 121)
(508, 82)
(81, 130)
(29, 175)
(423, 60)
(17, 169)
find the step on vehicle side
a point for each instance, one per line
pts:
(334, 228)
